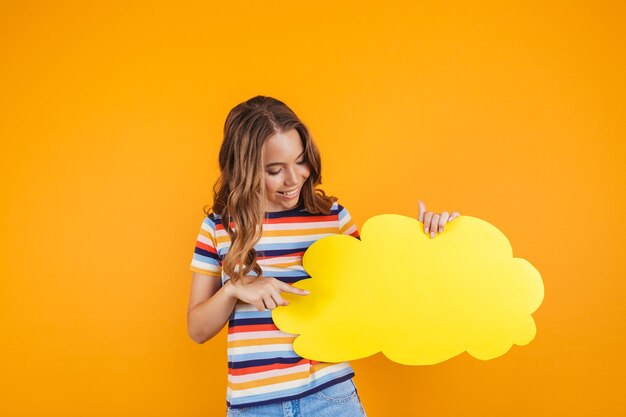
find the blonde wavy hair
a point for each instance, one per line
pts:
(239, 192)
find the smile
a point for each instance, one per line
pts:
(289, 193)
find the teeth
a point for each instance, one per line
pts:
(289, 193)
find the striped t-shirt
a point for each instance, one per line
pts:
(262, 366)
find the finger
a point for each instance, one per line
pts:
(259, 305)
(269, 302)
(454, 215)
(427, 217)
(422, 210)
(433, 225)
(443, 220)
(291, 289)
(280, 301)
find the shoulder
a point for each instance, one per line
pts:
(340, 210)
(212, 221)
(337, 207)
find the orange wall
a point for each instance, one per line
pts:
(110, 119)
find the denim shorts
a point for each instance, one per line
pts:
(337, 400)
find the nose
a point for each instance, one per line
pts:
(291, 177)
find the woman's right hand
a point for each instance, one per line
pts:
(261, 292)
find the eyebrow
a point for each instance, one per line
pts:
(282, 163)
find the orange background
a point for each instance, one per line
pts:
(111, 117)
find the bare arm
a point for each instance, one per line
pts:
(210, 306)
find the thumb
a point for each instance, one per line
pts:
(422, 210)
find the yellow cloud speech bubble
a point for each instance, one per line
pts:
(418, 300)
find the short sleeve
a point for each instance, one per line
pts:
(206, 259)
(346, 224)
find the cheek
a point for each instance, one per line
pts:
(271, 184)
(304, 171)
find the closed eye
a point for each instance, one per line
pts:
(303, 162)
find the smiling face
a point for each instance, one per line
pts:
(286, 170)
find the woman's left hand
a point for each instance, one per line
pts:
(434, 222)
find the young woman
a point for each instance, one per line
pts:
(267, 211)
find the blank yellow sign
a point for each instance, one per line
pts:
(418, 300)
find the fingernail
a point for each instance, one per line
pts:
(306, 292)
(440, 230)
(432, 234)
(426, 230)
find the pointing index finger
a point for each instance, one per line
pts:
(291, 289)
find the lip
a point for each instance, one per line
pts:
(295, 191)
